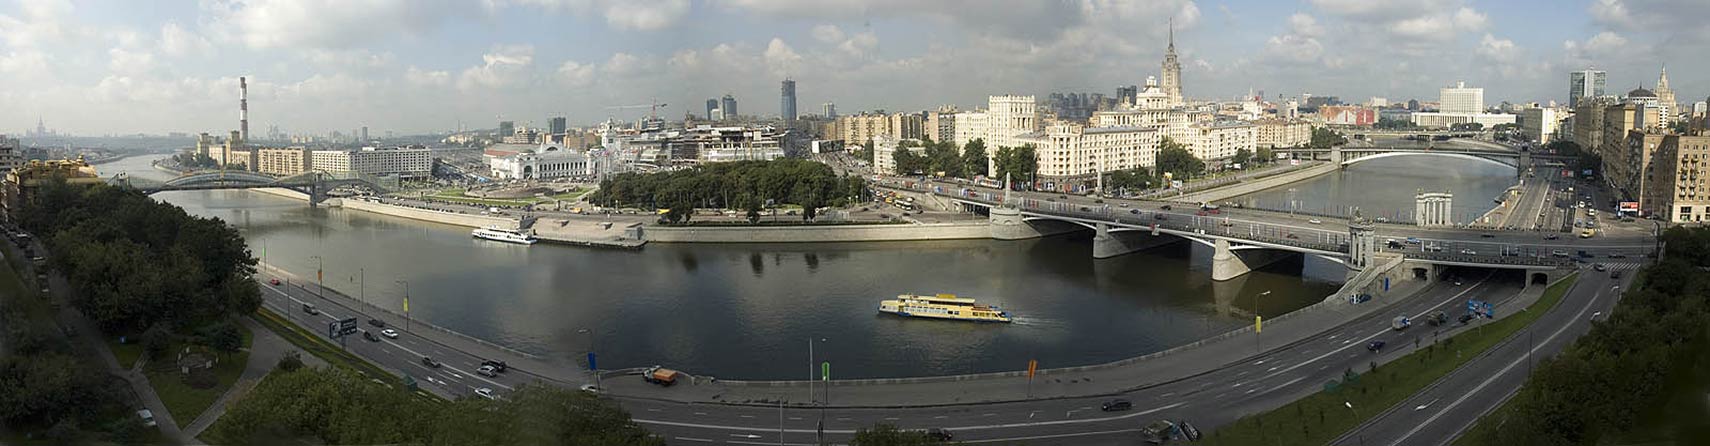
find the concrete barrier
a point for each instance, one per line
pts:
(437, 216)
(811, 234)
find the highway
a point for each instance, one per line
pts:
(456, 376)
(1242, 386)
(1450, 406)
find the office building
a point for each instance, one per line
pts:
(557, 125)
(1682, 164)
(908, 125)
(1277, 133)
(787, 100)
(11, 154)
(507, 128)
(1461, 99)
(1539, 124)
(406, 162)
(940, 125)
(1216, 142)
(1349, 115)
(885, 150)
(729, 107)
(1583, 84)
(1071, 152)
(712, 106)
(284, 162)
(1008, 116)
(830, 110)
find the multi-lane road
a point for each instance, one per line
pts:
(1242, 386)
(1439, 413)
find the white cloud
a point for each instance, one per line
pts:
(336, 24)
(426, 78)
(505, 66)
(175, 41)
(576, 74)
(648, 15)
(781, 59)
(827, 33)
(626, 64)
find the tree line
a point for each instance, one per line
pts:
(1642, 367)
(739, 185)
(941, 158)
(137, 264)
(337, 406)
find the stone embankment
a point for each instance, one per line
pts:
(817, 234)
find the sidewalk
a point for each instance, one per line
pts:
(264, 353)
(1106, 379)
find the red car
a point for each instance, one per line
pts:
(274, 282)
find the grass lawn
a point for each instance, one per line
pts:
(321, 348)
(128, 352)
(1320, 418)
(187, 402)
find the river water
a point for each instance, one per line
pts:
(746, 311)
(1386, 188)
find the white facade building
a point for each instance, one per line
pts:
(1461, 99)
(1539, 124)
(1072, 151)
(1009, 116)
(971, 125)
(1274, 133)
(884, 154)
(400, 161)
(1220, 140)
(530, 162)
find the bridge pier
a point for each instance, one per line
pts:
(1228, 264)
(1009, 224)
(1107, 244)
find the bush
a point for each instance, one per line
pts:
(156, 341)
(291, 361)
(223, 336)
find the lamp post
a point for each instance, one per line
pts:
(1257, 320)
(1356, 413)
(406, 285)
(320, 279)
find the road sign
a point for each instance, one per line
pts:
(341, 328)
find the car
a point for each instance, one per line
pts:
(1375, 345)
(1227, 223)
(1116, 405)
(1135, 212)
(1192, 433)
(1466, 317)
(1599, 267)
(1200, 213)
(390, 333)
(1616, 274)
(1315, 221)
(486, 393)
(1164, 207)
(1099, 201)
(939, 434)
(1552, 237)
(1085, 209)
(590, 388)
(1617, 255)
(430, 362)
(1558, 253)
(1487, 235)
(147, 417)
(274, 282)
(369, 335)
(1292, 236)
(377, 322)
(1063, 197)
(1457, 282)
(1053, 200)
(1469, 252)
(310, 308)
(1160, 217)
(1122, 205)
(488, 371)
(497, 365)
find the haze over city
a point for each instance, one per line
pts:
(423, 66)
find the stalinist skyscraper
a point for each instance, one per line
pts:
(1172, 72)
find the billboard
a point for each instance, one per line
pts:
(1628, 207)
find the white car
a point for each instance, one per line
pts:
(1315, 221)
(390, 333)
(590, 388)
(488, 371)
(486, 393)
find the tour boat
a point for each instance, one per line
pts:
(943, 306)
(505, 235)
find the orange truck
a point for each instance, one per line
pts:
(660, 375)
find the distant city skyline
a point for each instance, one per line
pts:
(315, 66)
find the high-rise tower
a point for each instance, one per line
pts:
(1665, 98)
(729, 106)
(1583, 84)
(787, 100)
(1172, 72)
(243, 108)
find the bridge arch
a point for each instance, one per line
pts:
(228, 176)
(1482, 159)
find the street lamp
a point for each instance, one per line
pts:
(320, 279)
(406, 285)
(1356, 413)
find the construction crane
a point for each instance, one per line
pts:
(652, 112)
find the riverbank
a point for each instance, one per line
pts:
(1257, 185)
(818, 234)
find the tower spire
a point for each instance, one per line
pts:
(1172, 47)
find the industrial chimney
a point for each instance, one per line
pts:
(243, 108)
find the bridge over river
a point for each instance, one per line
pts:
(315, 184)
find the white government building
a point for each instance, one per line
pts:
(533, 162)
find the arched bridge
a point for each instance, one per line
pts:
(314, 183)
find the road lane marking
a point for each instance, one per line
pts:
(1493, 377)
(959, 428)
(746, 416)
(1455, 297)
(650, 409)
(703, 440)
(1046, 437)
(701, 413)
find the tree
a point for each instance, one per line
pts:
(1175, 159)
(907, 162)
(1323, 138)
(943, 157)
(1242, 156)
(974, 158)
(1264, 155)
(223, 336)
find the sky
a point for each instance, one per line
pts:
(411, 66)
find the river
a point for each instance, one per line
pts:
(746, 311)
(1386, 188)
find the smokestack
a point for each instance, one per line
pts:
(243, 108)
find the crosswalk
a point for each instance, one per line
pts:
(1622, 265)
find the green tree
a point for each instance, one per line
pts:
(1265, 155)
(1242, 156)
(1323, 138)
(943, 157)
(908, 162)
(974, 158)
(1175, 159)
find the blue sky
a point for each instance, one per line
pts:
(98, 67)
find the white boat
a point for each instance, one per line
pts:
(505, 235)
(943, 306)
